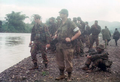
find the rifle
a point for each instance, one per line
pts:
(53, 44)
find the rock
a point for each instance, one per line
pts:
(27, 71)
(13, 76)
(78, 79)
(50, 77)
(23, 78)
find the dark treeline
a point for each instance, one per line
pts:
(15, 23)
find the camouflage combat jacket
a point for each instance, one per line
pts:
(52, 28)
(87, 30)
(68, 29)
(82, 27)
(95, 29)
(40, 33)
(103, 55)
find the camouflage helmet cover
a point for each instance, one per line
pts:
(78, 18)
(64, 11)
(37, 16)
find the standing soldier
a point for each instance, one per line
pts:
(87, 35)
(79, 45)
(116, 36)
(95, 30)
(82, 36)
(82, 29)
(66, 35)
(39, 37)
(52, 26)
(106, 35)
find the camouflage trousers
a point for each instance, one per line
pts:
(36, 48)
(82, 38)
(79, 48)
(94, 38)
(87, 41)
(116, 41)
(95, 62)
(64, 58)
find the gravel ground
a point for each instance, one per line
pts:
(21, 73)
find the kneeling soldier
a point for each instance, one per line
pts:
(99, 59)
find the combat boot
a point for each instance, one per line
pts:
(61, 76)
(86, 67)
(46, 67)
(35, 66)
(91, 69)
(69, 77)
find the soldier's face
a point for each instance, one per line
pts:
(62, 15)
(98, 49)
(36, 20)
(96, 23)
(50, 21)
(58, 19)
(78, 21)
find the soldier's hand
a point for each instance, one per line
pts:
(54, 37)
(30, 43)
(48, 45)
(67, 39)
(88, 56)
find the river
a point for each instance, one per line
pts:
(13, 48)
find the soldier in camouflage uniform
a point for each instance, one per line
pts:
(82, 28)
(52, 26)
(87, 35)
(99, 59)
(66, 34)
(106, 35)
(79, 45)
(116, 35)
(40, 37)
(82, 36)
(95, 30)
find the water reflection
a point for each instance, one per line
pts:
(13, 48)
(12, 41)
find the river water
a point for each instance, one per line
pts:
(13, 48)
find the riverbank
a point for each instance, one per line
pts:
(21, 73)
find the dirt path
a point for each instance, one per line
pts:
(20, 72)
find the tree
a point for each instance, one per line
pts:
(15, 21)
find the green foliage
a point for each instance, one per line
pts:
(14, 23)
(44, 73)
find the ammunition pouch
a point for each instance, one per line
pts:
(37, 36)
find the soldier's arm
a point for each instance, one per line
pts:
(104, 54)
(48, 37)
(75, 31)
(76, 35)
(32, 34)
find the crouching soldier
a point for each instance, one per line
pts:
(99, 59)
(40, 38)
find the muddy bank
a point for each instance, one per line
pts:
(21, 73)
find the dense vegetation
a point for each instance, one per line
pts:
(15, 23)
